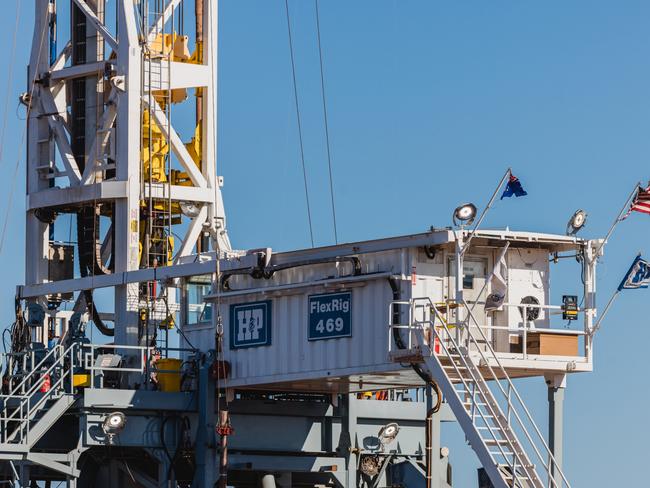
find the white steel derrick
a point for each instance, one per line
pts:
(118, 91)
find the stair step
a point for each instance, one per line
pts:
(492, 442)
(475, 404)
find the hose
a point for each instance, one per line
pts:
(428, 380)
(99, 323)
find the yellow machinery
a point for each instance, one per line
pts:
(156, 151)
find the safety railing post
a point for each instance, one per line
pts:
(524, 346)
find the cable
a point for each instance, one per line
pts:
(10, 79)
(295, 95)
(327, 130)
(9, 82)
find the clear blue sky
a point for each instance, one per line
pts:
(429, 102)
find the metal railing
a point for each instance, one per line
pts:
(458, 343)
(528, 325)
(23, 403)
(35, 382)
(144, 366)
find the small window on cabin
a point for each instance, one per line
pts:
(468, 281)
(198, 311)
(473, 269)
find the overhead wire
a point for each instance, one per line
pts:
(10, 79)
(24, 132)
(326, 122)
(300, 138)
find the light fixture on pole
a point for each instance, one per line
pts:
(388, 433)
(465, 214)
(114, 423)
(576, 222)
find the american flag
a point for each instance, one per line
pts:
(641, 202)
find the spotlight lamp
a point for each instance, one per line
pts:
(576, 222)
(465, 214)
(388, 433)
(114, 423)
(189, 209)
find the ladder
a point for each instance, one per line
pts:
(30, 407)
(496, 422)
(157, 245)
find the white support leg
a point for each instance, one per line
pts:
(127, 210)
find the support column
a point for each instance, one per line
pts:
(24, 475)
(556, 386)
(350, 424)
(216, 211)
(433, 446)
(127, 210)
(205, 474)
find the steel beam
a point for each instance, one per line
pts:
(97, 23)
(177, 144)
(77, 71)
(556, 387)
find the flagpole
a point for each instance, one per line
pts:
(607, 307)
(494, 271)
(614, 296)
(485, 211)
(618, 219)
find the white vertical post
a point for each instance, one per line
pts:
(127, 210)
(589, 269)
(216, 211)
(460, 275)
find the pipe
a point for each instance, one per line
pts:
(224, 431)
(267, 272)
(99, 323)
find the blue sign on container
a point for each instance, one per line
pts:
(250, 325)
(330, 316)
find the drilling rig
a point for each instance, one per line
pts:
(149, 352)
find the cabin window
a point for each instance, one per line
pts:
(198, 311)
(474, 272)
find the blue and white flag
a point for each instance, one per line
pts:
(638, 275)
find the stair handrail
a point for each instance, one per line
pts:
(477, 378)
(515, 455)
(552, 460)
(35, 368)
(26, 398)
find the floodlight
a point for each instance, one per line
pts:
(388, 433)
(190, 209)
(576, 222)
(465, 214)
(113, 424)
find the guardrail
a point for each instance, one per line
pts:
(144, 366)
(424, 312)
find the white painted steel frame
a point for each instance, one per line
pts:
(121, 120)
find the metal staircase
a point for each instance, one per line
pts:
(496, 422)
(40, 391)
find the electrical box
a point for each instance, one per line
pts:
(60, 266)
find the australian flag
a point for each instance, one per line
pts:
(513, 188)
(638, 275)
